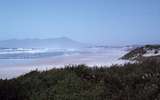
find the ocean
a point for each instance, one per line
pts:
(18, 61)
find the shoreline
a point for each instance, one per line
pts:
(15, 67)
(17, 70)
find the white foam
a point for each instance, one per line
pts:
(92, 57)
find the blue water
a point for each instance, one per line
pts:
(20, 53)
(15, 62)
(30, 55)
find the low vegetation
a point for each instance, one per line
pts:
(137, 53)
(152, 46)
(138, 81)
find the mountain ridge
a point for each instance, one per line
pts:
(60, 42)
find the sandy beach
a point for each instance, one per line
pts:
(100, 57)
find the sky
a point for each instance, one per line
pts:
(111, 22)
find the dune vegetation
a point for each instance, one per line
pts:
(138, 81)
(139, 53)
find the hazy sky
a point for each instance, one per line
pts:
(93, 21)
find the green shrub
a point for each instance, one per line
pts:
(138, 81)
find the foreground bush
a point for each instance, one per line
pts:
(140, 81)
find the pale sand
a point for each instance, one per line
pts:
(100, 58)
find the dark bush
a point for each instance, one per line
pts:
(139, 81)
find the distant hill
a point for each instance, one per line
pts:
(147, 51)
(62, 42)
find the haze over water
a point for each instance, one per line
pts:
(19, 63)
(52, 33)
